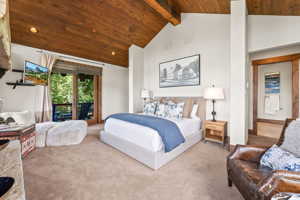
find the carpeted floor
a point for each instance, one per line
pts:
(95, 171)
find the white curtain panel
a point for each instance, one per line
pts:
(44, 112)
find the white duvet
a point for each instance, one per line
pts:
(147, 137)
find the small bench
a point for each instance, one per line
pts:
(60, 133)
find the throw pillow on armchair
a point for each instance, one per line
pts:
(292, 138)
(277, 158)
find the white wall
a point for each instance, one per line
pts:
(267, 32)
(204, 34)
(114, 91)
(209, 36)
(22, 98)
(115, 83)
(136, 78)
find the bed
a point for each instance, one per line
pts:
(145, 144)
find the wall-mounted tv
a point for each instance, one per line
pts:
(35, 74)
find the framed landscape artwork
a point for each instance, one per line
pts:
(180, 72)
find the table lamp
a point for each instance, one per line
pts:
(213, 93)
(145, 94)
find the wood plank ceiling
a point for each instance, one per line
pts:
(94, 29)
(90, 29)
(274, 7)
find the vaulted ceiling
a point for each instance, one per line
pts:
(103, 30)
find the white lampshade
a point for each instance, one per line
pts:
(145, 94)
(214, 93)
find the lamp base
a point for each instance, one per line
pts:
(214, 113)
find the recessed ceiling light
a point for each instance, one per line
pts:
(33, 30)
(113, 53)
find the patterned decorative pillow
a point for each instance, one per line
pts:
(283, 195)
(161, 110)
(279, 159)
(150, 108)
(174, 110)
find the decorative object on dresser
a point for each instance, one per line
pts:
(180, 72)
(215, 131)
(214, 94)
(26, 135)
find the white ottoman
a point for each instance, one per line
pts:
(60, 133)
(42, 131)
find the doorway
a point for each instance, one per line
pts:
(76, 92)
(275, 93)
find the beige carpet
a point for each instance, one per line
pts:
(95, 171)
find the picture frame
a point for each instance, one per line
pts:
(272, 83)
(180, 72)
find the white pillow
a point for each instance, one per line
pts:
(23, 118)
(194, 112)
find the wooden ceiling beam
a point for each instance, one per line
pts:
(165, 10)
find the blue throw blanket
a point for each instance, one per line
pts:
(168, 130)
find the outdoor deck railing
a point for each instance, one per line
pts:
(63, 112)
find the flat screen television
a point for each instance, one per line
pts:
(35, 74)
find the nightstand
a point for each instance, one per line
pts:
(215, 131)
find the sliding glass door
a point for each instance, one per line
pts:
(87, 101)
(75, 96)
(62, 96)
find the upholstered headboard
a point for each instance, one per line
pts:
(188, 105)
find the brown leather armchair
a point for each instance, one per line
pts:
(255, 182)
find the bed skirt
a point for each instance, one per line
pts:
(154, 160)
